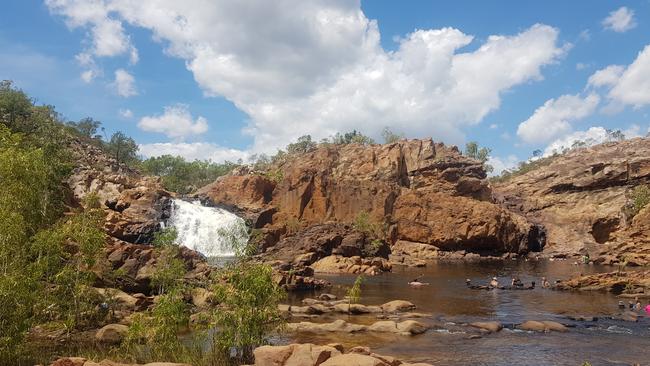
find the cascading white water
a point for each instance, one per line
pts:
(211, 231)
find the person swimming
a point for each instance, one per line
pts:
(545, 283)
(416, 282)
(494, 283)
(516, 282)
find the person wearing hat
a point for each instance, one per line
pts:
(494, 283)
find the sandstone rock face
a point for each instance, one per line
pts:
(418, 190)
(579, 196)
(135, 205)
(246, 194)
(632, 282)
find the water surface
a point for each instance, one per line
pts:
(451, 303)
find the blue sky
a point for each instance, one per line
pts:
(225, 79)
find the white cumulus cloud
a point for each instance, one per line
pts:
(193, 151)
(126, 113)
(633, 86)
(553, 119)
(500, 164)
(124, 84)
(608, 76)
(317, 67)
(590, 137)
(176, 122)
(620, 20)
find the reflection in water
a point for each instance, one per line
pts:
(605, 342)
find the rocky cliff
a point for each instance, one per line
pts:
(419, 191)
(134, 205)
(580, 198)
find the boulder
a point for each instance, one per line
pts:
(491, 327)
(111, 333)
(542, 326)
(397, 306)
(335, 326)
(310, 355)
(354, 359)
(272, 355)
(201, 298)
(408, 327)
(356, 265)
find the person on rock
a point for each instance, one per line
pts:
(637, 304)
(647, 308)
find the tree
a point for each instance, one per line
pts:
(86, 127)
(353, 137)
(390, 136)
(615, 135)
(303, 145)
(183, 176)
(15, 107)
(123, 148)
(481, 154)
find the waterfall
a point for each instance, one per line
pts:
(210, 231)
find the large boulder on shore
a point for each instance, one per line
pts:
(111, 333)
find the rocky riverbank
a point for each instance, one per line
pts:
(582, 198)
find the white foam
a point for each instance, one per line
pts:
(211, 231)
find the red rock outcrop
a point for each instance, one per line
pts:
(579, 197)
(135, 205)
(421, 191)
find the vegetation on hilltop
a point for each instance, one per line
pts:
(537, 160)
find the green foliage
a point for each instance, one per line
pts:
(366, 224)
(123, 148)
(155, 335)
(390, 136)
(354, 292)
(169, 267)
(353, 137)
(248, 312)
(165, 238)
(86, 127)
(640, 198)
(481, 154)
(293, 225)
(374, 247)
(183, 176)
(15, 108)
(275, 175)
(303, 145)
(524, 167)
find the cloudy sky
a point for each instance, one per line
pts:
(222, 79)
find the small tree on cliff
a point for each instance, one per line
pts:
(481, 154)
(123, 148)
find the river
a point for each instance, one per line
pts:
(601, 342)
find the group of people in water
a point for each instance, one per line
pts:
(635, 306)
(517, 284)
